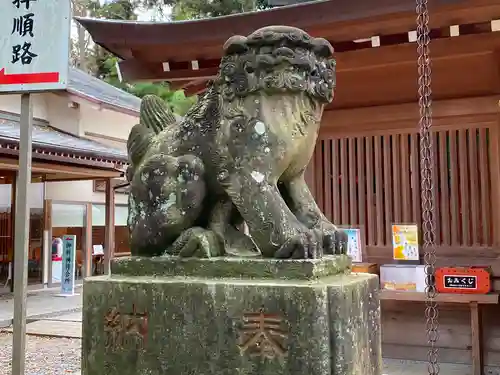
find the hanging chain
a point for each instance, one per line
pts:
(426, 166)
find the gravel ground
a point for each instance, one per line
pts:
(44, 355)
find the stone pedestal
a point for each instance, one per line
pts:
(231, 316)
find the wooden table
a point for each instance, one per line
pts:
(475, 302)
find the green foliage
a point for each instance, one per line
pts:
(115, 9)
(196, 9)
(179, 103)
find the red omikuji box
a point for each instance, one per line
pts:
(463, 280)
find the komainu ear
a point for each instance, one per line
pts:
(322, 47)
(237, 44)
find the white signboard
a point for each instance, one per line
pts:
(354, 244)
(34, 45)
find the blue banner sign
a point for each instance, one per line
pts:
(68, 265)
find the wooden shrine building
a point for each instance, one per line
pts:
(365, 170)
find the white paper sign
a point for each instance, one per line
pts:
(34, 45)
(97, 250)
(354, 249)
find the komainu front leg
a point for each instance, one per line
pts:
(273, 227)
(302, 203)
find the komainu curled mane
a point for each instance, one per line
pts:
(238, 156)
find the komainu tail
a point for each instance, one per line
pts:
(155, 115)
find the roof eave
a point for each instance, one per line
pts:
(47, 152)
(119, 37)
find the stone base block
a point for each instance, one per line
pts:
(267, 319)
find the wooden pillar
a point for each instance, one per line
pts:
(309, 176)
(495, 178)
(88, 241)
(477, 339)
(47, 242)
(109, 247)
(13, 231)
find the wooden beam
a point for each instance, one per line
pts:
(195, 89)
(56, 156)
(488, 299)
(136, 70)
(347, 62)
(179, 85)
(408, 112)
(404, 54)
(61, 170)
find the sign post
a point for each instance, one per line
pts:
(68, 266)
(22, 236)
(34, 57)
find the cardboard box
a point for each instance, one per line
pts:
(365, 268)
(402, 277)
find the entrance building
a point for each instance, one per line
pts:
(79, 158)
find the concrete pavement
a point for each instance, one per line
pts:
(40, 304)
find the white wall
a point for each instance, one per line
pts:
(78, 191)
(12, 103)
(105, 122)
(60, 115)
(108, 127)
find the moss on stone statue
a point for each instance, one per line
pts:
(239, 155)
(228, 267)
(193, 326)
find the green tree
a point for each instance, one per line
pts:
(103, 64)
(196, 9)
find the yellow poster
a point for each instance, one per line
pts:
(405, 242)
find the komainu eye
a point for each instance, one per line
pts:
(249, 69)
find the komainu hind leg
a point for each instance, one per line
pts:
(222, 237)
(224, 221)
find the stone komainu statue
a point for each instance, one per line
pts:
(239, 155)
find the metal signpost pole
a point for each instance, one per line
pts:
(22, 225)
